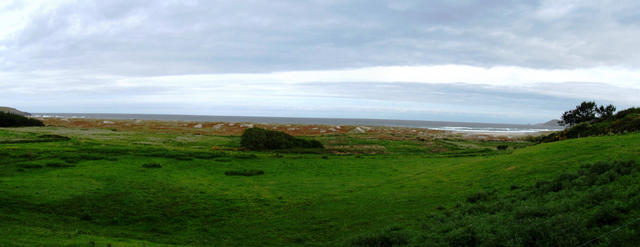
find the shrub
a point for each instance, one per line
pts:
(622, 122)
(262, 139)
(245, 156)
(14, 120)
(479, 196)
(58, 165)
(387, 238)
(244, 173)
(462, 237)
(502, 147)
(605, 215)
(152, 165)
(30, 166)
(54, 138)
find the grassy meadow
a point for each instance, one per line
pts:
(99, 186)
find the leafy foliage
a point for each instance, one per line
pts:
(262, 139)
(387, 238)
(244, 173)
(587, 111)
(152, 165)
(14, 120)
(569, 210)
(624, 121)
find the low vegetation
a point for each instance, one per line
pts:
(152, 165)
(598, 204)
(262, 139)
(621, 122)
(89, 187)
(243, 172)
(8, 119)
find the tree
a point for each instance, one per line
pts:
(587, 111)
(606, 112)
(584, 112)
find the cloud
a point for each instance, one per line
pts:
(182, 37)
(377, 58)
(500, 94)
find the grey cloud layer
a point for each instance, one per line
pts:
(180, 37)
(106, 56)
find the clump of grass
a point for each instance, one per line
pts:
(208, 155)
(479, 196)
(502, 147)
(54, 137)
(152, 165)
(58, 165)
(29, 156)
(30, 166)
(223, 160)
(244, 173)
(245, 156)
(387, 238)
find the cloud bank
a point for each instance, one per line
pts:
(500, 61)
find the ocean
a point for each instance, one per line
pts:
(438, 125)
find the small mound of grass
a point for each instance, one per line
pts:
(152, 165)
(387, 238)
(30, 166)
(245, 156)
(244, 173)
(59, 165)
(49, 137)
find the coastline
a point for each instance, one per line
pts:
(455, 127)
(237, 128)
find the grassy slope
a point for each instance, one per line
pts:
(302, 199)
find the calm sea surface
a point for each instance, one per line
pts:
(440, 125)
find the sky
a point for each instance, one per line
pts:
(471, 61)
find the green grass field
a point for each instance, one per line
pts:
(116, 188)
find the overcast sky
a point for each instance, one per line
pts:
(480, 61)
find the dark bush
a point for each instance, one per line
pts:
(14, 120)
(245, 156)
(262, 139)
(54, 138)
(502, 147)
(462, 237)
(29, 156)
(605, 215)
(152, 165)
(479, 196)
(387, 238)
(58, 165)
(30, 166)
(244, 173)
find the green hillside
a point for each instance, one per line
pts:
(13, 110)
(100, 187)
